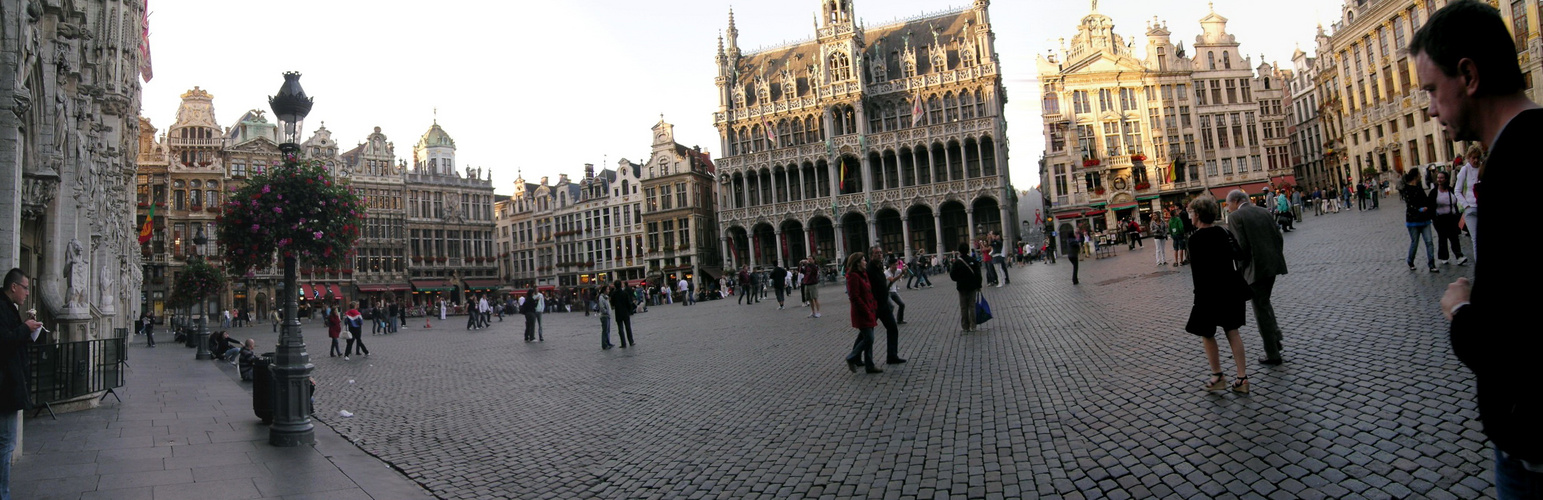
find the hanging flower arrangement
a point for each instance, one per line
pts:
(1090, 162)
(1142, 185)
(1138, 157)
(294, 209)
(1098, 190)
(197, 280)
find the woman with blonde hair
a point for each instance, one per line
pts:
(865, 313)
(1467, 180)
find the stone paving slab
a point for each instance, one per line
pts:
(185, 429)
(1086, 391)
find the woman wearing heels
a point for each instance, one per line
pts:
(334, 330)
(864, 314)
(1220, 293)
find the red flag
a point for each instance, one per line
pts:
(148, 229)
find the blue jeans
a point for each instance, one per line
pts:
(8, 423)
(605, 331)
(1417, 232)
(862, 350)
(1512, 480)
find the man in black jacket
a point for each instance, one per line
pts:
(621, 307)
(879, 284)
(1465, 60)
(965, 272)
(15, 334)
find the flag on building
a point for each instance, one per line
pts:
(144, 44)
(917, 111)
(1173, 170)
(771, 134)
(149, 227)
(842, 186)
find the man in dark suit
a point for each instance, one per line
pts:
(15, 334)
(879, 284)
(1260, 239)
(621, 305)
(1477, 91)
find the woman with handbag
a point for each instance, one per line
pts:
(1220, 293)
(335, 330)
(865, 314)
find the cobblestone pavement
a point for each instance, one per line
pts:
(1090, 391)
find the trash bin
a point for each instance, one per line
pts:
(262, 387)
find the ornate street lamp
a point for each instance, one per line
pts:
(292, 365)
(203, 302)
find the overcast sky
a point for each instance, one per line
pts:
(543, 87)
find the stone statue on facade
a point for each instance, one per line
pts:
(76, 274)
(105, 287)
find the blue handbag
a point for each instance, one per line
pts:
(982, 310)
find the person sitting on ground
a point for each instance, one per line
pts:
(220, 344)
(246, 356)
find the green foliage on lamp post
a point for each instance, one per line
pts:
(295, 209)
(196, 281)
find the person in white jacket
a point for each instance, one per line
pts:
(1467, 178)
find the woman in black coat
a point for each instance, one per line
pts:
(1220, 293)
(1419, 210)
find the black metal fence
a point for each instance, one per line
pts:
(69, 370)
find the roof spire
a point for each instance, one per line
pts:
(436, 115)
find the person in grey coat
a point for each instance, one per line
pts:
(1260, 240)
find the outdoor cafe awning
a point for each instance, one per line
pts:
(482, 284)
(432, 285)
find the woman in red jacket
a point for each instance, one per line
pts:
(334, 329)
(864, 313)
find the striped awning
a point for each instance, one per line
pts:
(1124, 206)
(1148, 197)
(1066, 215)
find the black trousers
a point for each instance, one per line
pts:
(1073, 257)
(624, 330)
(891, 330)
(1447, 236)
(530, 326)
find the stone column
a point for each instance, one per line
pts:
(728, 252)
(840, 244)
(780, 244)
(937, 225)
(969, 214)
(905, 235)
(873, 232)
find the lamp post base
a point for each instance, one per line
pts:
(203, 341)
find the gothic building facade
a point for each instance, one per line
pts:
(69, 135)
(888, 135)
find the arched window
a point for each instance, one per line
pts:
(966, 105)
(980, 104)
(812, 130)
(1226, 60)
(840, 67)
(934, 110)
(757, 138)
(950, 108)
(1210, 58)
(784, 134)
(798, 131)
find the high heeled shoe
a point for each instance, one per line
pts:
(1240, 385)
(1216, 383)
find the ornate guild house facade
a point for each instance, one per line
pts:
(888, 135)
(1124, 134)
(449, 222)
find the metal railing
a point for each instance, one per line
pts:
(68, 370)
